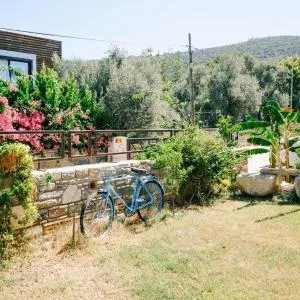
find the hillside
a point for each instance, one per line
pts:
(268, 48)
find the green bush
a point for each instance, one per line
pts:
(16, 184)
(196, 165)
(226, 128)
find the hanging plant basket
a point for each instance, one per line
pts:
(8, 161)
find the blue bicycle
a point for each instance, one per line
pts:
(98, 212)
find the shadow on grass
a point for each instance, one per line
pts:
(278, 215)
(134, 224)
(71, 243)
(278, 199)
(249, 200)
(289, 199)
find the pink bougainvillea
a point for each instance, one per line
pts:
(76, 137)
(12, 88)
(31, 120)
(36, 103)
(5, 116)
(103, 142)
(13, 120)
(58, 120)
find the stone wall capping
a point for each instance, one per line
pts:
(68, 174)
(50, 195)
(55, 176)
(102, 165)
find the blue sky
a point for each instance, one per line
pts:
(151, 23)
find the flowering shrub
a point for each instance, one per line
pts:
(103, 142)
(69, 119)
(76, 138)
(11, 120)
(46, 102)
(58, 119)
(12, 89)
(31, 120)
(51, 141)
(5, 115)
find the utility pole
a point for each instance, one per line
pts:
(192, 98)
(292, 79)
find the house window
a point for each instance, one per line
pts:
(19, 61)
(4, 73)
(23, 66)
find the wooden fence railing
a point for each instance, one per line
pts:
(90, 143)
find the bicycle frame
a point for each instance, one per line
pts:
(98, 212)
(133, 207)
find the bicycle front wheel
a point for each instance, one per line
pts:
(151, 201)
(96, 215)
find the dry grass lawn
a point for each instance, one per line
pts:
(230, 251)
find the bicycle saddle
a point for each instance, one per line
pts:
(139, 171)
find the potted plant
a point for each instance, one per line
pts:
(273, 134)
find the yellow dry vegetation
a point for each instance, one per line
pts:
(233, 250)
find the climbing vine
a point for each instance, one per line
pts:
(17, 187)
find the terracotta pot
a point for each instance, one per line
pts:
(8, 162)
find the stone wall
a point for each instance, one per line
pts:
(60, 199)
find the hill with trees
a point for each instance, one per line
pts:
(265, 49)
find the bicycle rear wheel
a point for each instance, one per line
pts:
(96, 215)
(151, 201)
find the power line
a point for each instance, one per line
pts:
(201, 51)
(88, 38)
(209, 56)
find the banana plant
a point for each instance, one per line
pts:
(262, 135)
(278, 125)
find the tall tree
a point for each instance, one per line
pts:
(291, 67)
(133, 98)
(226, 86)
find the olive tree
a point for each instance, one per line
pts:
(133, 98)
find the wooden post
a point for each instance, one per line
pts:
(128, 149)
(192, 99)
(292, 77)
(73, 231)
(62, 144)
(90, 143)
(94, 140)
(69, 144)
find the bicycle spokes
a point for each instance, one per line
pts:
(97, 216)
(151, 194)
